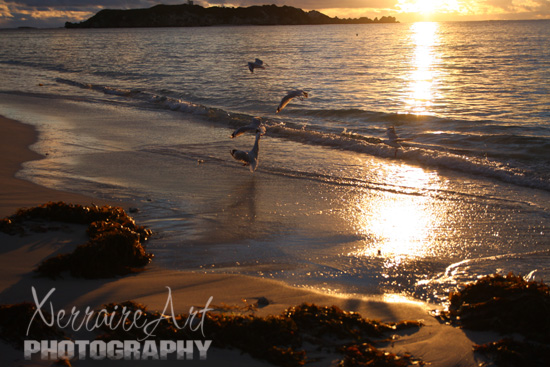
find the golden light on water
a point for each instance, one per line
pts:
(421, 79)
(399, 225)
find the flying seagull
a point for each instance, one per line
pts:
(393, 140)
(256, 64)
(250, 158)
(292, 94)
(254, 126)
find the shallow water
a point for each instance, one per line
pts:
(146, 114)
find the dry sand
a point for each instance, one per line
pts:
(437, 344)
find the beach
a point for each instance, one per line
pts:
(438, 344)
(331, 205)
(335, 213)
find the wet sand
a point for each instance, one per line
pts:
(440, 345)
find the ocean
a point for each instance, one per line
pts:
(145, 116)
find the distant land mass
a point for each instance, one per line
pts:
(189, 15)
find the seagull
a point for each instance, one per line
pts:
(250, 158)
(256, 64)
(255, 125)
(292, 94)
(393, 140)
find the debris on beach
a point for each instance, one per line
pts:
(508, 305)
(115, 246)
(13, 316)
(366, 354)
(332, 320)
(295, 337)
(512, 353)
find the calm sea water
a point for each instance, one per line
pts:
(133, 113)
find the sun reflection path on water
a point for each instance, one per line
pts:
(401, 226)
(420, 93)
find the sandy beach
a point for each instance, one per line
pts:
(434, 343)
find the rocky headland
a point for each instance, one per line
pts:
(188, 15)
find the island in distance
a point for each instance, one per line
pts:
(189, 15)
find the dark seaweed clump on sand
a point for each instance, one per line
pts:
(508, 305)
(513, 353)
(298, 336)
(12, 317)
(115, 246)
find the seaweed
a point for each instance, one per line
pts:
(506, 304)
(8, 226)
(115, 246)
(366, 354)
(116, 312)
(273, 338)
(343, 324)
(283, 340)
(54, 266)
(14, 315)
(72, 213)
(109, 254)
(512, 353)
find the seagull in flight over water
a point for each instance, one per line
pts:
(393, 140)
(249, 158)
(256, 64)
(292, 94)
(255, 126)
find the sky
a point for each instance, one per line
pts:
(54, 13)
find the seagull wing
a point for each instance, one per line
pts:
(254, 164)
(392, 143)
(261, 129)
(241, 156)
(391, 134)
(256, 122)
(241, 130)
(292, 94)
(253, 126)
(286, 99)
(253, 155)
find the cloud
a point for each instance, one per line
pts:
(39, 14)
(510, 9)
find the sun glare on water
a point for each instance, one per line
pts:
(422, 78)
(398, 225)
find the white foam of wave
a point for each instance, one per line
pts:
(455, 272)
(413, 153)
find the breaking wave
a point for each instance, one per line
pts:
(452, 152)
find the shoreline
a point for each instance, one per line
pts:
(21, 254)
(15, 142)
